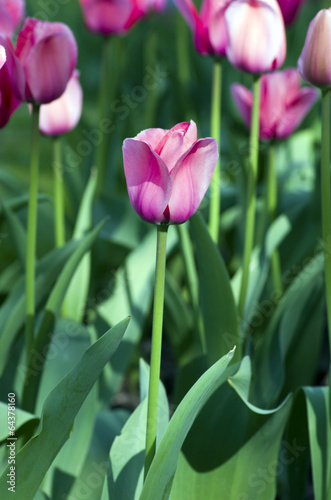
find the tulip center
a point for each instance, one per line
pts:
(166, 214)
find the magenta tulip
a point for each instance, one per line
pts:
(283, 103)
(43, 62)
(168, 172)
(111, 17)
(289, 9)
(314, 64)
(11, 15)
(63, 114)
(210, 35)
(256, 35)
(8, 100)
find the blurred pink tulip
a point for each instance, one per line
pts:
(256, 35)
(111, 17)
(210, 35)
(289, 9)
(283, 103)
(314, 64)
(11, 15)
(44, 61)
(63, 114)
(168, 172)
(8, 100)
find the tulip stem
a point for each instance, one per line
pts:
(215, 185)
(32, 232)
(251, 192)
(271, 204)
(326, 233)
(156, 345)
(58, 195)
(101, 148)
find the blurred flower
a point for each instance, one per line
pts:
(283, 103)
(314, 64)
(110, 17)
(44, 60)
(289, 9)
(63, 114)
(8, 100)
(168, 172)
(210, 36)
(256, 35)
(11, 15)
(147, 5)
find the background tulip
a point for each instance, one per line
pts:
(314, 63)
(210, 36)
(45, 57)
(289, 9)
(283, 103)
(63, 114)
(256, 35)
(11, 15)
(168, 172)
(109, 17)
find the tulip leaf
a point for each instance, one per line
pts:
(21, 418)
(217, 303)
(58, 414)
(76, 295)
(160, 476)
(18, 233)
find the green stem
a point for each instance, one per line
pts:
(101, 149)
(326, 231)
(271, 204)
(58, 195)
(215, 186)
(251, 192)
(32, 232)
(156, 345)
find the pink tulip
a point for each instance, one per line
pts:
(63, 114)
(44, 61)
(168, 172)
(314, 64)
(8, 100)
(283, 103)
(210, 35)
(110, 17)
(256, 35)
(11, 15)
(289, 9)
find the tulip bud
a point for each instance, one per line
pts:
(210, 35)
(11, 15)
(63, 114)
(45, 57)
(168, 172)
(256, 35)
(314, 63)
(8, 100)
(283, 104)
(289, 9)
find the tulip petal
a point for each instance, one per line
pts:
(189, 12)
(176, 142)
(244, 100)
(148, 180)
(152, 136)
(191, 177)
(296, 112)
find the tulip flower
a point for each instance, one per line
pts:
(256, 35)
(283, 104)
(44, 60)
(11, 15)
(289, 9)
(210, 35)
(168, 172)
(63, 114)
(8, 101)
(111, 17)
(314, 64)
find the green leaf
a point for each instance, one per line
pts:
(21, 417)
(216, 297)
(18, 233)
(59, 412)
(77, 292)
(161, 473)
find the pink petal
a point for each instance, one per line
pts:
(289, 9)
(191, 178)
(244, 100)
(176, 142)
(152, 136)
(189, 12)
(148, 180)
(296, 112)
(105, 17)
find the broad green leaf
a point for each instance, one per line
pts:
(21, 417)
(160, 476)
(217, 303)
(76, 295)
(59, 412)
